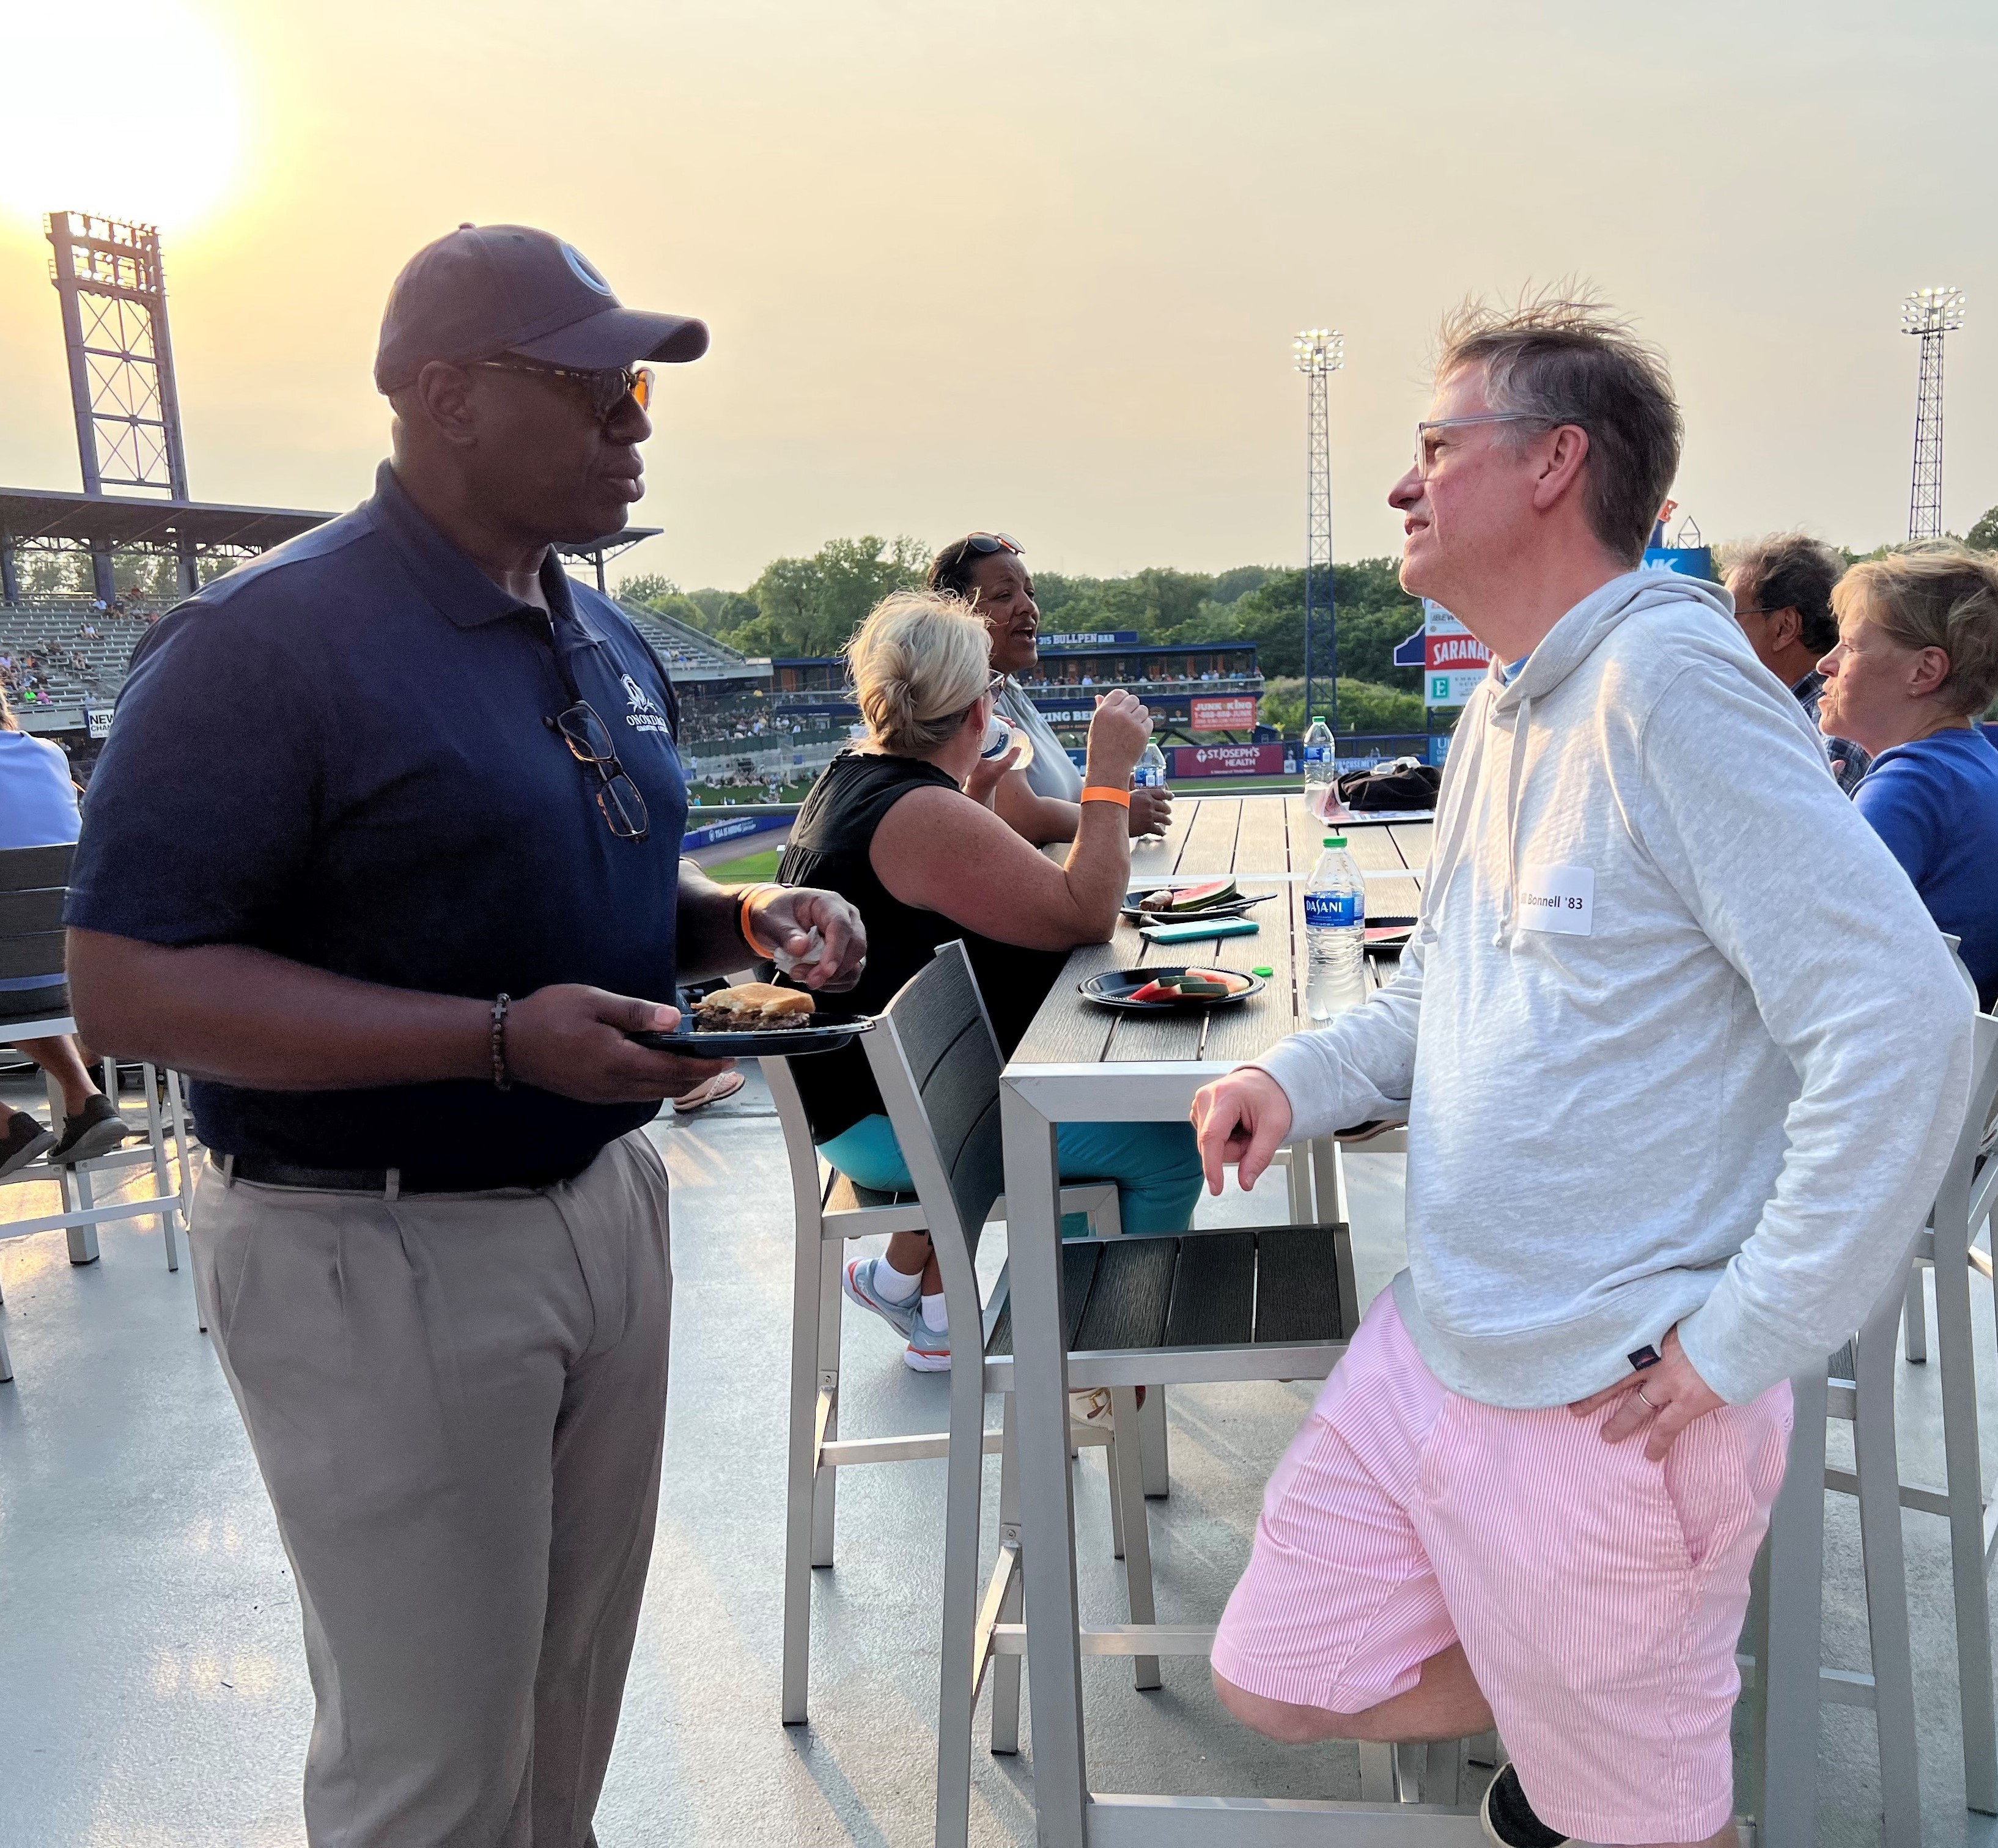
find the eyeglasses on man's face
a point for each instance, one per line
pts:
(618, 797)
(606, 389)
(1429, 446)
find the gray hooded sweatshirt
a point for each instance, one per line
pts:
(1677, 1042)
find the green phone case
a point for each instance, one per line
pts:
(1195, 932)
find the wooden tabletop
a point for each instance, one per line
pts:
(1212, 836)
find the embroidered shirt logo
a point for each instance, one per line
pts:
(645, 715)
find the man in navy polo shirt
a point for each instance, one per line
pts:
(360, 796)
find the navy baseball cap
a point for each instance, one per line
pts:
(484, 290)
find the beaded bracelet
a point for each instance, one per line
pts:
(501, 1082)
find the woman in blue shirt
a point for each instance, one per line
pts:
(1916, 665)
(38, 809)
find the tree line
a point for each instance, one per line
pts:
(811, 606)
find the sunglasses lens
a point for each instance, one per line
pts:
(641, 387)
(624, 808)
(589, 738)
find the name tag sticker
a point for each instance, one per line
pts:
(1560, 899)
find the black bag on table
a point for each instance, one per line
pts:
(1406, 783)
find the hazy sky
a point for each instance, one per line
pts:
(1036, 265)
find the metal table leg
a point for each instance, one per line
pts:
(1040, 1363)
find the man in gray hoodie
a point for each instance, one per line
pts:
(1682, 1059)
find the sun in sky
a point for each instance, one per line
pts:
(128, 109)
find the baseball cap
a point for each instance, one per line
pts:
(483, 290)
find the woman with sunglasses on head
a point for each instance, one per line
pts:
(1040, 798)
(890, 827)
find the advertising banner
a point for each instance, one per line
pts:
(1234, 713)
(1454, 659)
(714, 834)
(1226, 760)
(1688, 561)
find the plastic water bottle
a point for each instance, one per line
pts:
(1335, 933)
(1001, 734)
(1150, 773)
(1322, 801)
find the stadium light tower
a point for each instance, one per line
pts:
(1320, 352)
(108, 278)
(1930, 314)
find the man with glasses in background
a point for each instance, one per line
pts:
(384, 847)
(1781, 586)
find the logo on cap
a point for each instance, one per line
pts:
(585, 271)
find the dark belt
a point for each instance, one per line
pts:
(387, 1182)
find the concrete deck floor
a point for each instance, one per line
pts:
(152, 1693)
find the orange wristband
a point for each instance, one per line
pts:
(742, 916)
(1101, 793)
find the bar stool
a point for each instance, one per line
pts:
(828, 1209)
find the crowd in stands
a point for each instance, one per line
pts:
(1155, 674)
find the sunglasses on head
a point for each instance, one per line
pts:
(608, 386)
(987, 544)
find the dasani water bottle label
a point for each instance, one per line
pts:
(1331, 910)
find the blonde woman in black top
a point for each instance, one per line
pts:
(890, 827)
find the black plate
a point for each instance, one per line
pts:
(827, 1033)
(1228, 907)
(1114, 989)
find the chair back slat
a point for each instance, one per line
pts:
(40, 954)
(26, 868)
(935, 1038)
(24, 913)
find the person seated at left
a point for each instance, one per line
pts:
(1916, 665)
(38, 809)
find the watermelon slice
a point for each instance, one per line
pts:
(1198, 898)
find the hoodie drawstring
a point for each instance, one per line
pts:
(1523, 717)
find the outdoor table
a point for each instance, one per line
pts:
(1080, 1063)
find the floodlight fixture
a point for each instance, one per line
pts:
(1933, 311)
(1319, 350)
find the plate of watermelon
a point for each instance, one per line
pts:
(1181, 904)
(1169, 989)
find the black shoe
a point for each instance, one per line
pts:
(95, 1130)
(23, 1140)
(1508, 1818)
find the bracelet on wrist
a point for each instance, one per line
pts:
(748, 898)
(1103, 792)
(502, 1079)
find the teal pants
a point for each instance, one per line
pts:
(1156, 1166)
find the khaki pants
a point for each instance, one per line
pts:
(457, 1401)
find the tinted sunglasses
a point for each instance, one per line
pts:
(987, 544)
(607, 387)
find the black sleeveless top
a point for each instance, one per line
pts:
(828, 848)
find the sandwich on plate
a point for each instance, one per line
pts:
(754, 1004)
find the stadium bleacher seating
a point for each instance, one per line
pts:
(61, 651)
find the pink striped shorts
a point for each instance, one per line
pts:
(1598, 1596)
